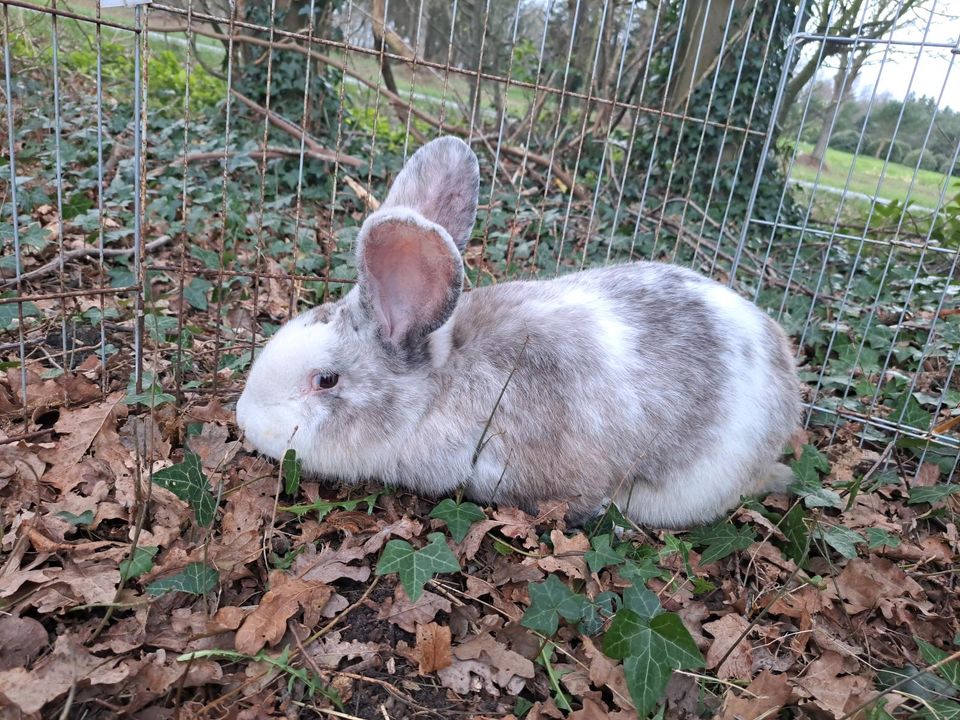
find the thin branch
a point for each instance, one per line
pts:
(316, 150)
(54, 265)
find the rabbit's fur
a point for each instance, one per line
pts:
(643, 383)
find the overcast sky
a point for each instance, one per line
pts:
(920, 70)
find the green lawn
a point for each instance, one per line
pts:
(898, 180)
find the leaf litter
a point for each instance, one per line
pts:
(256, 592)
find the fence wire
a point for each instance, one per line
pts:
(234, 151)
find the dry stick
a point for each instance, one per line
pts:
(271, 151)
(780, 593)
(85, 252)
(384, 684)
(144, 506)
(316, 150)
(900, 683)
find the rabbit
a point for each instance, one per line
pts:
(643, 383)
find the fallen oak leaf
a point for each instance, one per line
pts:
(70, 664)
(490, 663)
(433, 648)
(407, 614)
(603, 672)
(567, 556)
(213, 446)
(21, 640)
(863, 583)
(267, 624)
(726, 631)
(762, 698)
(330, 650)
(79, 428)
(831, 688)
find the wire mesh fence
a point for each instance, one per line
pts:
(180, 179)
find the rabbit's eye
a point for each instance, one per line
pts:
(324, 381)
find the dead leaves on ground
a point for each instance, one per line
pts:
(297, 611)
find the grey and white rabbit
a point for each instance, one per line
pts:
(642, 383)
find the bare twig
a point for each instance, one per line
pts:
(54, 265)
(316, 150)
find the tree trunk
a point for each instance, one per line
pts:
(704, 20)
(842, 85)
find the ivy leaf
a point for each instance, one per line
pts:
(416, 567)
(141, 562)
(84, 518)
(932, 654)
(642, 601)
(931, 494)
(878, 537)
(595, 613)
(841, 539)
(325, 507)
(187, 481)
(459, 517)
(807, 480)
(812, 462)
(795, 530)
(640, 572)
(195, 578)
(290, 469)
(549, 601)
(721, 539)
(651, 650)
(196, 292)
(603, 554)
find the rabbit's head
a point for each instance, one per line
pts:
(341, 380)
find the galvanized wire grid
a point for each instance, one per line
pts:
(738, 245)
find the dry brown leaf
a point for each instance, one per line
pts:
(518, 525)
(330, 650)
(88, 583)
(510, 670)
(21, 640)
(212, 412)
(405, 528)
(762, 698)
(20, 459)
(407, 615)
(267, 624)
(213, 446)
(567, 556)
(604, 672)
(863, 583)
(805, 601)
(80, 428)
(470, 545)
(159, 673)
(927, 475)
(830, 688)
(329, 565)
(69, 664)
(433, 648)
(726, 631)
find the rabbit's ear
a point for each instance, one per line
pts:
(441, 182)
(410, 276)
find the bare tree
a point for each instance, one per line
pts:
(845, 24)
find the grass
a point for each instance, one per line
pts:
(426, 84)
(898, 181)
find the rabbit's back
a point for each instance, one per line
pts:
(643, 382)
